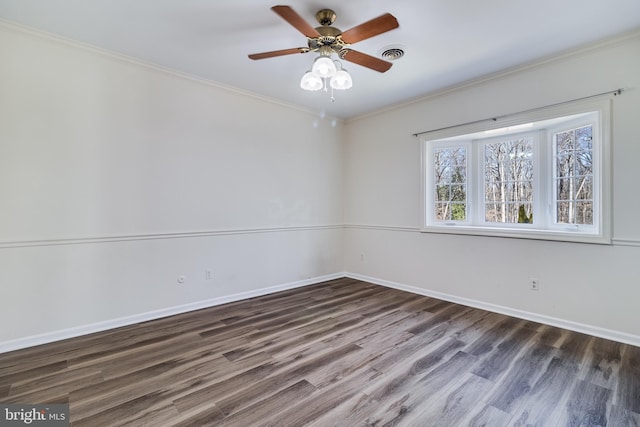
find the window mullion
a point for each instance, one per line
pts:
(474, 194)
(541, 176)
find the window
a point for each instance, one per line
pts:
(544, 175)
(450, 168)
(508, 179)
(573, 175)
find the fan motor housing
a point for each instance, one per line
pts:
(329, 36)
(326, 17)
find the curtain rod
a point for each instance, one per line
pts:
(495, 119)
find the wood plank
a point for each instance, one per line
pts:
(168, 377)
(498, 361)
(324, 407)
(255, 414)
(587, 405)
(402, 399)
(546, 394)
(488, 416)
(574, 347)
(550, 335)
(214, 388)
(409, 350)
(55, 386)
(449, 313)
(492, 336)
(473, 324)
(602, 364)
(449, 409)
(372, 332)
(209, 392)
(521, 378)
(621, 417)
(142, 410)
(209, 416)
(274, 383)
(628, 395)
(17, 376)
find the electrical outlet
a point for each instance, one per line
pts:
(534, 284)
(208, 274)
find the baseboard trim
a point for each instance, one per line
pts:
(60, 335)
(50, 337)
(547, 320)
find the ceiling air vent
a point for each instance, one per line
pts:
(391, 53)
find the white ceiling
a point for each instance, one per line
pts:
(447, 42)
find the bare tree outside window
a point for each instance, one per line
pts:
(574, 176)
(508, 181)
(450, 169)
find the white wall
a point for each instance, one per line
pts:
(588, 287)
(117, 177)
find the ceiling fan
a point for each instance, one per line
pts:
(327, 39)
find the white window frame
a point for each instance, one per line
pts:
(543, 228)
(430, 188)
(479, 177)
(580, 122)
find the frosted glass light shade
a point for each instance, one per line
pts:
(324, 67)
(310, 81)
(342, 80)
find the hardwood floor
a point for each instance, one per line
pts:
(340, 353)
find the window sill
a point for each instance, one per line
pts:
(532, 234)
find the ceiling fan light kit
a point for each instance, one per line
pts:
(327, 41)
(324, 67)
(342, 80)
(311, 81)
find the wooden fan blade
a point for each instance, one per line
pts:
(371, 28)
(365, 60)
(282, 52)
(296, 20)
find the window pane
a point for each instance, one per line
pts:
(584, 138)
(525, 213)
(564, 212)
(450, 169)
(584, 188)
(584, 163)
(512, 212)
(574, 176)
(458, 211)
(565, 141)
(565, 163)
(443, 193)
(584, 212)
(494, 212)
(508, 174)
(458, 193)
(451, 211)
(491, 169)
(442, 211)
(564, 189)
